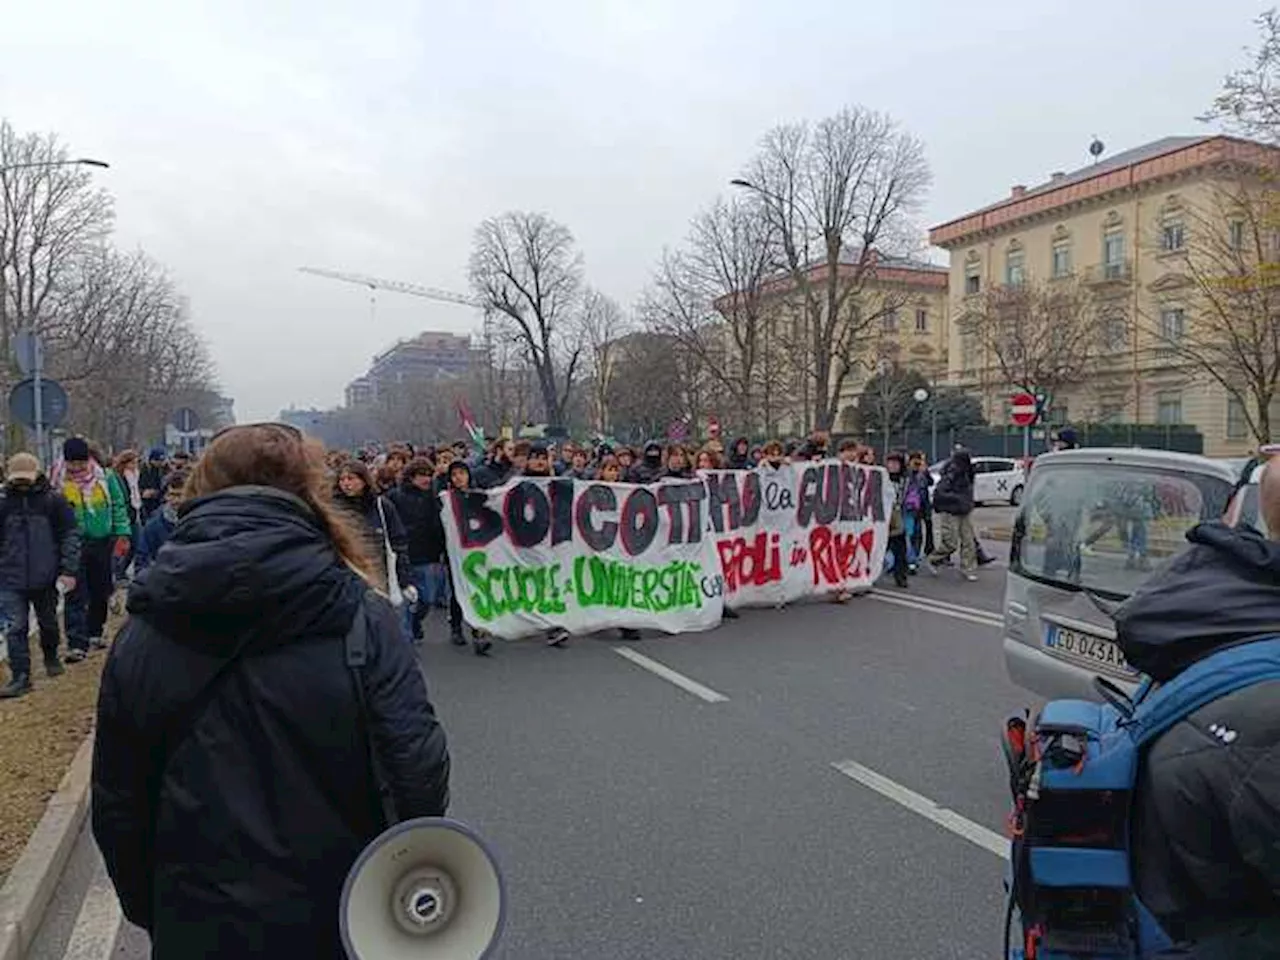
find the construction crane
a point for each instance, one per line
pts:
(375, 284)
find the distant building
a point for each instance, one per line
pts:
(361, 392)
(311, 421)
(223, 413)
(431, 355)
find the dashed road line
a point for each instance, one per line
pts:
(671, 676)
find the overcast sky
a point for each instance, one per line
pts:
(250, 137)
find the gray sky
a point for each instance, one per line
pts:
(250, 137)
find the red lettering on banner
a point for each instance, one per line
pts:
(750, 563)
(838, 557)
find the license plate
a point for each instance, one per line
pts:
(1088, 649)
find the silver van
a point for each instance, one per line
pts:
(1093, 524)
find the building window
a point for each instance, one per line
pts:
(972, 278)
(922, 321)
(1169, 408)
(1171, 236)
(1113, 255)
(1014, 268)
(890, 321)
(1115, 333)
(1062, 259)
(1235, 235)
(1111, 411)
(1173, 324)
(1237, 422)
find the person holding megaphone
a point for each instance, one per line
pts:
(234, 780)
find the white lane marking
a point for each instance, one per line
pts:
(666, 673)
(975, 833)
(98, 924)
(936, 602)
(987, 620)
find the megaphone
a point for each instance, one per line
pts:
(425, 889)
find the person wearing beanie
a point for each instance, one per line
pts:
(101, 505)
(151, 482)
(160, 527)
(39, 554)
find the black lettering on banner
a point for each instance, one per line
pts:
(722, 492)
(561, 510)
(751, 498)
(597, 496)
(478, 524)
(674, 496)
(639, 521)
(527, 514)
(778, 497)
(850, 484)
(873, 494)
(808, 496)
(828, 506)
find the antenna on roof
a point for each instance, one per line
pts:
(1096, 148)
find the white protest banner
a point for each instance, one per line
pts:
(800, 530)
(540, 553)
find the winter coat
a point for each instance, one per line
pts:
(365, 511)
(953, 493)
(737, 461)
(229, 815)
(151, 480)
(491, 473)
(896, 523)
(39, 538)
(155, 534)
(101, 508)
(1207, 812)
(419, 511)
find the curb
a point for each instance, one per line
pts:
(34, 878)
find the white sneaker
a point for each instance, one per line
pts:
(971, 577)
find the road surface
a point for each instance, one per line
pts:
(816, 782)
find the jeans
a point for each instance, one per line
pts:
(898, 549)
(438, 579)
(420, 580)
(86, 608)
(15, 611)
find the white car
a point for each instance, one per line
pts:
(995, 479)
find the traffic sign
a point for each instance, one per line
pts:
(185, 419)
(28, 351)
(677, 430)
(1023, 409)
(54, 403)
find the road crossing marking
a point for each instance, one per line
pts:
(975, 833)
(98, 924)
(986, 618)
(671, 676)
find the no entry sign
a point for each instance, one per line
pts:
(1022, 409)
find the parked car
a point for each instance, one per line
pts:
(995, 480)
(1093, 524)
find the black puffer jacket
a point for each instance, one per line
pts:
(39, 537)
(954, 491)
(1207, 820)
(238, 845)
(419, 511)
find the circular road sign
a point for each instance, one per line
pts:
(54, 403)
(1023, 409)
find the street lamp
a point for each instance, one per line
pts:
(45, 164)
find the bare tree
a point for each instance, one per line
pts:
(1040, 337)
(711, 296)
(1249, 102)
(1224, 322)
(839, 196)
(651, 390)
(603, 324)
(525, 270)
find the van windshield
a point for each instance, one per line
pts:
(1102, 527)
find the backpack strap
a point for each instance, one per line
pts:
(1206, 680)
(356, 646)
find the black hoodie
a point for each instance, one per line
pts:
(229, 810)
(1207, 813)
(740, 461)
(649, 468)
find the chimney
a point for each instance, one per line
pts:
(1056, 175)
(1018, 191)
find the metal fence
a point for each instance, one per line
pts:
(999, 441)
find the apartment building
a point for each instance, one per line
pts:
(1120, 231)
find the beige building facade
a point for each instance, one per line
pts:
(1118, 232)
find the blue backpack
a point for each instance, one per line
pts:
(1073, 778)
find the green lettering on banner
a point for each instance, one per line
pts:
(499, 590)
(598, 582)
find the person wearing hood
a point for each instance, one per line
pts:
(740, 455)
(1206, 823)
(161, 525)
(232, 783)
(650, 467)
(101, 505)
(39, 555)
(953, 503)
(378, 519)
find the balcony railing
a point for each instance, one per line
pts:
(1118, 271)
